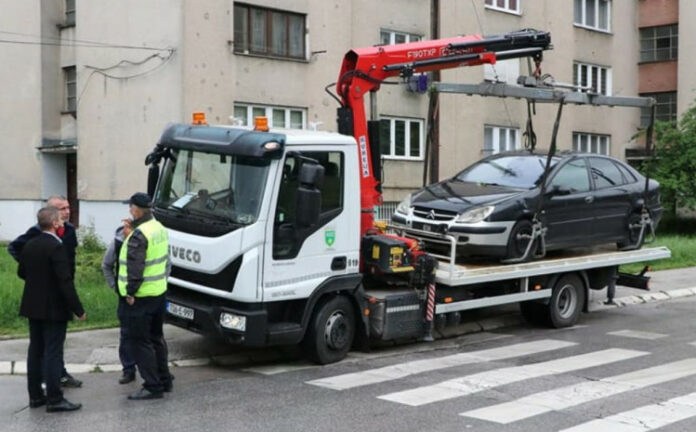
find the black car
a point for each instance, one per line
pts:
(489, 207)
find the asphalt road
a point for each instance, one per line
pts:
(506, 376)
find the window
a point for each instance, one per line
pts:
(504, 5)
(503, 71)
(278, 117)
(605, 173)
(287, 240)
(596, 78)
(498, 139)
(268, 32)
(390, 37)
(572, 177)
(659, 43)
(401, 138)
(70, 77)
(69, 13)
(591, 143)
(665, 109)
(593, 14)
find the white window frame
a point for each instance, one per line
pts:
(252, 110)
(592, 143)
(493, 5)
(392, 35)
(70, 88)
(407, 138)
(506, 71)
(583, 8)
(496, 146)
(592, 71)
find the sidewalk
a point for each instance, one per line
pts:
(97, 350)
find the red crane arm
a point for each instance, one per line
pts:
(364, 69)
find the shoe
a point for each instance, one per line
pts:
(63, 405)
(127, 377)
(144, 394)
(169, 384)
(38, 402)
(68, 380)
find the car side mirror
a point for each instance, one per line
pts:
(558, 190)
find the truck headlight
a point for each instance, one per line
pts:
(475, 215)
(232, 321)
(404, 206)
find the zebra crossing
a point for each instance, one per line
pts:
(650, 416)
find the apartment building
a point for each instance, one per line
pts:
(91, 84)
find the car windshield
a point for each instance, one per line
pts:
(517, 171)
(221, 188)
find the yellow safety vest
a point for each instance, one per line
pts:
(156, 257)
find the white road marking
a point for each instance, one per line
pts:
(637, 334)
(388, 373)
(577, 394)
(645, 418)
(470, 384)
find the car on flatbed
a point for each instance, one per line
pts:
(588, 199)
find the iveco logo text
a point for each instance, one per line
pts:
(185, 254)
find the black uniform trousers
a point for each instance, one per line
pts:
(124, 353)
(144, 321)
(45, 358)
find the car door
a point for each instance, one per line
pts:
(612, 199)
(568, 205)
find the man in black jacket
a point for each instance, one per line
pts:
(68, 236)
(49, 301)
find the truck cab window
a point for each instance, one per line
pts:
(287, 240)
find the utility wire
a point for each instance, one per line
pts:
(56, 41)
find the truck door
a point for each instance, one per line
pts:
(300, 258)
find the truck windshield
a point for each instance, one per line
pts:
(222, 188)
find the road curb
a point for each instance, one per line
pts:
(18, 367)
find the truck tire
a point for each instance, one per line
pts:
(534, 313)
(331, 331)
(567, 301)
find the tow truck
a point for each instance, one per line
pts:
(272, 232)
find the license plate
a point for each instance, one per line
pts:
(427, 227)
(180, 311)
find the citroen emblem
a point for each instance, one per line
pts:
(431, 215)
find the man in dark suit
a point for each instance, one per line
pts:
(49, 301)
(68, 236)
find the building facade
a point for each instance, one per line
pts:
(92, 84)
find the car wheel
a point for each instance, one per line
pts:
(331, 331)
(567, 301)
(632, 234)
(520, 236)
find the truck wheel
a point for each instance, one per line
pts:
(534, 313)
(331, 331)
(567, 301)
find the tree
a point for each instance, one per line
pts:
(675, 163)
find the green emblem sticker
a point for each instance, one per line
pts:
(329, 237)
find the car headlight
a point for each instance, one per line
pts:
(404, 206)
(475, 215)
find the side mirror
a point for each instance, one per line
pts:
(152, 178)
(308, 205)
(557, 190)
